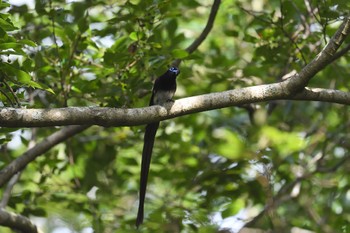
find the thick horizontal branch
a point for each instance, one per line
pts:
(16, 222)
(323, 95)
(13, 117)
(292, 88)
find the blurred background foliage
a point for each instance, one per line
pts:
(210, 170)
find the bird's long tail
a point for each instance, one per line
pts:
(150, 134)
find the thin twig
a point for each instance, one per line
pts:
(341, 53)
(324, 58)
(207, 29)
(7, 192)
(7, 97)
(12, 92)
(283, 196)
(61, 68)
(290, 38)
(333, 168)
(195, 44)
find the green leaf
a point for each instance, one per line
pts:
(4, 5)
(134, 36)
(20, 75)
(28, 42)
(10, 45)
(285, 142)
(233, 208)
(6, 25)
(179, 53)
(24, 78)
(232, 33)
(40, 212)
(229, 145)
(83, 25)
(40, 86)
(120, 44)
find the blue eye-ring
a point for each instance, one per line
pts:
(174, 70)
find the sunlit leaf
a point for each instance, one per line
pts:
(229, 144)
(179, 53)
(285, 142)
(7, 25)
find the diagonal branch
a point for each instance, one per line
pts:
(6, 195)
(196, 43)
(207, 28)
(341, 53)
(7, 192)
(18, 222)
(325, 57)
(21, 162)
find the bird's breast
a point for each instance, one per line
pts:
(162, 97)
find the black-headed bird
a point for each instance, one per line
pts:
(163, 91)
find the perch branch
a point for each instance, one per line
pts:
(18, 222)
(14, 117)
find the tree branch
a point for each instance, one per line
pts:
(325, 57)
(292, 88)
(18, 222)
(6, 195)
(196, 43)
(7, 192)
(13, 117)
(283, 195)
(341, 52)
(323, 95)
(21, 162)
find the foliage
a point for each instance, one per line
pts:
(217, 163)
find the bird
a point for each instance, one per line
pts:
(163, 91)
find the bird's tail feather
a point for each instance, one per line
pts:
(150, 134)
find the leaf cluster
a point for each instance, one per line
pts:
(286, 160)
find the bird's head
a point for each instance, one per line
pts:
(174, 70)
